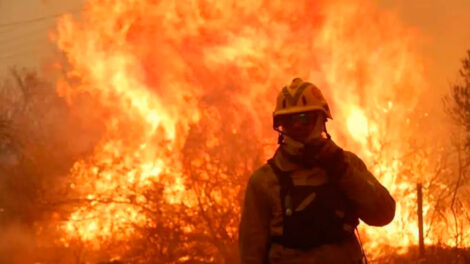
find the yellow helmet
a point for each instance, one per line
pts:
(300, 97)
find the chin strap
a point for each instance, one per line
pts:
(362, 248)
(328, 136)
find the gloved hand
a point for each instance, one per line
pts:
(325, 153)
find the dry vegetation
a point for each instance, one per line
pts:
(40, 138)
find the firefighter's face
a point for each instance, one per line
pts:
(303, 126)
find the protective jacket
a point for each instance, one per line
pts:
(267, 235)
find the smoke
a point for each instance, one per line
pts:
(444, 35)
(17, 244)
(40, 139)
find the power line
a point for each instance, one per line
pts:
(9, 30)
(38, 19)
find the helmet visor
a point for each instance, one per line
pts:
(303, 118)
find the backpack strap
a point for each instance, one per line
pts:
(286, 184)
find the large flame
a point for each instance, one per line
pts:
(165, 73)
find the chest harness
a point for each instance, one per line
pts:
(313, 215)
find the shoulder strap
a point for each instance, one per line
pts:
(286, 184)
(282, 176)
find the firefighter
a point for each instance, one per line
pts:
(305, 203)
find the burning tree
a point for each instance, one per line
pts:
(35, 153)
(29, 109)
(457, 104)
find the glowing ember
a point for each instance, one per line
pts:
(158, 69)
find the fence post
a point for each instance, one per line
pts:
(420, 220)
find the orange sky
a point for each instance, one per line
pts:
(444, 26)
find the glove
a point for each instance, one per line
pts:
(325, 153)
